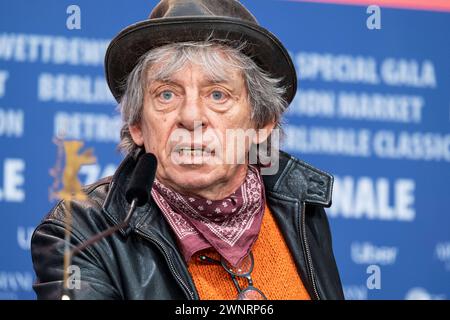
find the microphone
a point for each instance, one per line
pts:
(139, 187)
(142, 180)
(137, 195)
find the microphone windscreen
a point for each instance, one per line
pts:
(142, 179)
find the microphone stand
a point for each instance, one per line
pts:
(136, 195)
(69, 254)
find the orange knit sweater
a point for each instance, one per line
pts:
(274, 272)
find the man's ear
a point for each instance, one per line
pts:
(263, 133)
(136, 134)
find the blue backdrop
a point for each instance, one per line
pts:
(373, 108)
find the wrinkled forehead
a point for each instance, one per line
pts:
(211, 65)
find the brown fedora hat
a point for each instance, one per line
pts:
(197, 20)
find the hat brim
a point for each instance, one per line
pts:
(130, 44)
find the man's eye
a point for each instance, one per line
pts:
(218, 95)
(166, 95)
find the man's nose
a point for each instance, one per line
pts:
(192, 113)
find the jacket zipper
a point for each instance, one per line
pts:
(180, 281)
(308, 253)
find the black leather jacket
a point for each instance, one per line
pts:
(143, 261)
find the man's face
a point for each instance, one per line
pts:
(183, 116)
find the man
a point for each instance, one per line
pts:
(218, 226)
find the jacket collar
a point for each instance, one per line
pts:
(300, 181)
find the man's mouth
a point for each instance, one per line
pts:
(193, 150)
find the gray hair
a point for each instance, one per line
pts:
(265, 93)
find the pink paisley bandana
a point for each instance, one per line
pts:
(231, 225)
